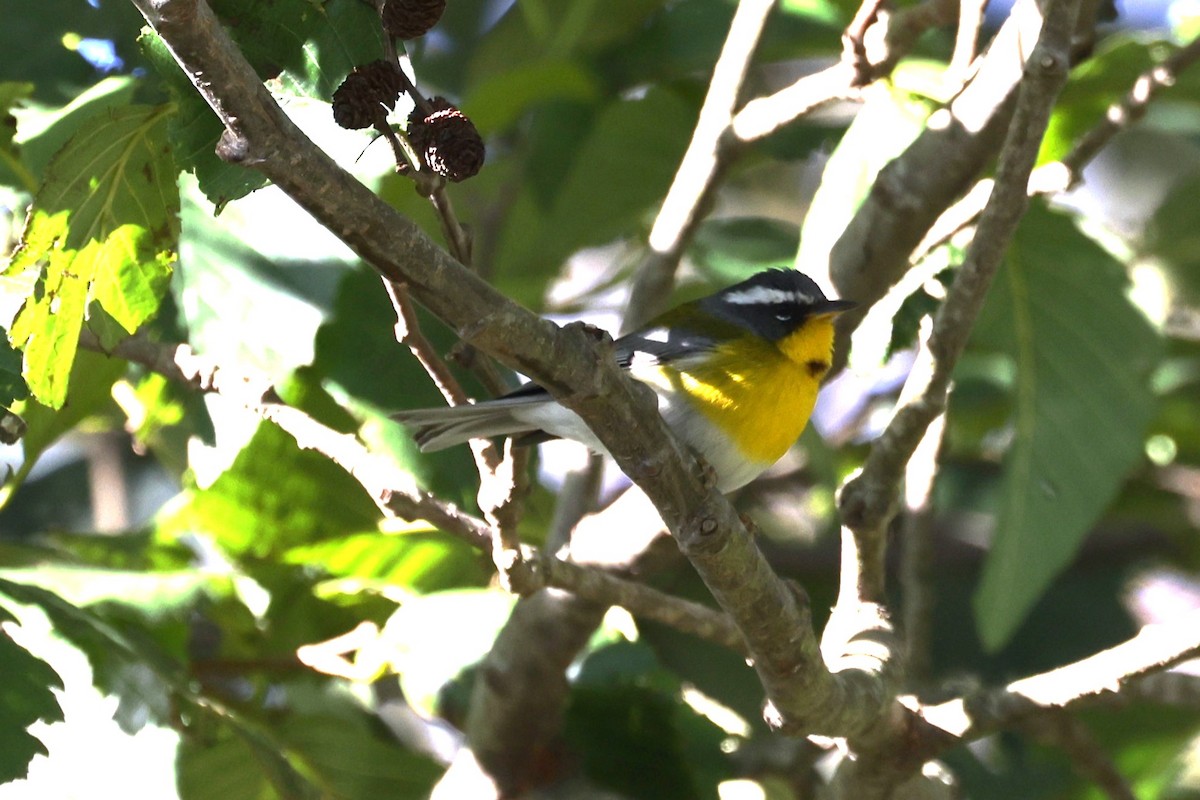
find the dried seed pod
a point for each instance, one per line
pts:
(365, 94)
(411, 19)
(446, 140)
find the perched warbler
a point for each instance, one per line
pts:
(736, 374)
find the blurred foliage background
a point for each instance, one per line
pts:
(165, 556)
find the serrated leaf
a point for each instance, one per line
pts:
(275, 496)
(25, 696)
(103, 226)
(125, 660)
(1083, 352)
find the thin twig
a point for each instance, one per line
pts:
(762, 116)
(408, 333)
(1063, 175)
(696, 178)
(1131, 108)
(966, 38)
(868, 500)
(854, 42)
(396, 495)
(873, 250)
(1103, 676)
(638, 599)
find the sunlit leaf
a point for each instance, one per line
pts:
(103, 227)
(1083, 353)
(275, 496)
(422, 562)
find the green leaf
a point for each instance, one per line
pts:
(623, 166)
(237, 762)
(103, 226)
(627, 719)
(330, 751)
(417, 561)
(126, 659)
(25, 696)
(273, 497)
(1095, 84)
(498, 101)
(1083, 353)
(353, 762)
(730, 250)
(41, 133)
(379, 373)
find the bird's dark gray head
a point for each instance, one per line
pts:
(773, 303)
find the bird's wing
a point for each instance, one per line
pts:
(671, 338)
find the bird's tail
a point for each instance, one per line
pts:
(439, 428)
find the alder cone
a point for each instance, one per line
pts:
(411, 19)
(361, 98)
(446, 140)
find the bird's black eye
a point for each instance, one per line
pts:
(783, 317)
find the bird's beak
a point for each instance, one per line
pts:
(829, 308)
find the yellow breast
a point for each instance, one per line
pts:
(760, 393)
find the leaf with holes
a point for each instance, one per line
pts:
(104, 228)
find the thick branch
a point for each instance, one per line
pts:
(569, 362)
(911, 191)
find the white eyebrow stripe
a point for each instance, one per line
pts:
(765, 295)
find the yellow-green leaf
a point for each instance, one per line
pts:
(104, 227)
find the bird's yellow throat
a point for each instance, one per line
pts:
(760, 393)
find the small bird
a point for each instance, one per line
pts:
(736, 374)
